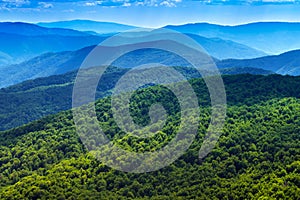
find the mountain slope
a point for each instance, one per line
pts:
(42, 66)
(286, 63)
(88, 25)
(270, 37)
(33, 99)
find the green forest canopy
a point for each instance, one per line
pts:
(257, 156)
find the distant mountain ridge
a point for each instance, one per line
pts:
(224, 49)
(27, 29)
(17, 48)
(286, 63)
(88, 25)
(270, 37)
(60, 62)
(23, 41)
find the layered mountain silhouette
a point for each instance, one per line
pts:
(20, 47)
(89, 25)
(269, 37)
(42, 66)
(22, 41)
(16, 48)
(27, 29)
(286, 63)
(223, 49)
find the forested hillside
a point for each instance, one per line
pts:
(257, 156)
(33, 99)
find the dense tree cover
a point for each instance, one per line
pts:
(33, 99)
(257, 156)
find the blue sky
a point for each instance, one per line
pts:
(152, 13)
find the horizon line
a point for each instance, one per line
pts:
(173, 24)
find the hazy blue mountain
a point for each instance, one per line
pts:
(270, 37)
(5, 59)
(88, 25)
(27, 29)
(16, 48)
(224, 49)
(20, 47)
(286, 63)
(58, 63)
(42, 66)
(22, 41)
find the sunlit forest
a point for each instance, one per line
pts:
(256, 157)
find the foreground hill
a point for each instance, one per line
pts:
(257, 156)
(270, 37)
(286, 63)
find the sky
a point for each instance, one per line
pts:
(152, 13)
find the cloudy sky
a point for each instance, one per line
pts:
(152, 13)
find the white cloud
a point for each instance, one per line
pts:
(167, 4)
(127, 3)
(247, 2)
(15, 3)
(93, 3)
(45, 5)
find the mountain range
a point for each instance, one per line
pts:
(28, 29)
(23, 41)
(58, 63)
(19, 47)
(61, 62)
(63, 57)
(88, 26)
(286, 63)
(269, 37)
